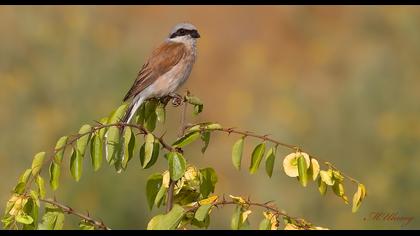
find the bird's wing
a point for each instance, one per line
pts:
(161, 61)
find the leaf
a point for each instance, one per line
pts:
(24, 218)
(269, 161)
(55, 171)
(41, 186)
(358, 197)
(205, 136)
(76, 165)
(168, 221)
(160, 195)
(212, 126)
(177, 165)
(201, 224)
(25, 176)
(237, 151)
(59, 149)
(129, 143)
(186, 139)
(83, 141)
(322, 186)
(148, 149)
(290, 163)
(208, 181)
(113, 145)
(302, 170)
(326, 177)
(153, 185)
(37, 163)
(257, 155)
(53, 219)
(194, 100)
(96, 147)
(239, 199)
(198, 109)
(161, 113)
(338, 189)
(236, 220)
(85, 225)
(313, 170)
(153, 223)
(338, 176)
(31, 209)
(19, 188)
(155, 154)
(265, 224)
(202, 212)
(150, 117)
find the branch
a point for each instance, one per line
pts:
(69, 210)
(299, 221)
(266, 138)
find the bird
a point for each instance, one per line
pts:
(167, 68)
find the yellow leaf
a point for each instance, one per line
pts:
(237, 199)
(290, 163)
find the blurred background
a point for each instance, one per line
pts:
(342, 82)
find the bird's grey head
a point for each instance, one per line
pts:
(183, 32)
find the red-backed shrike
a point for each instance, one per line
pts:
(166, 69)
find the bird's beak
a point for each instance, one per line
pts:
(195, 34)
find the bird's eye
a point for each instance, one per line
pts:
(182, 31)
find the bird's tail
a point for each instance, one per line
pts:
(131, 110)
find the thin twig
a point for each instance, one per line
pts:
(266, 138)
(69, 210)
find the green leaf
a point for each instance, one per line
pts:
(153, 185)
(41, 186)
(194, 100)
(24, 218)
(96, 147)
(141, 114)
(76, 165)
(116, 115)
(129, 143)
(85, 225)
(53, 219)
(25, 176)
(102, 131)
(177, 165)
(186, 139)
(160, 195)
(148, 149)
(37, 163)
(237, 151)
(31, 209)
(257, 155)
(201, 224)
(202, 212)
(155, 154)
(322, 186)
(205, 136)
(236, 220)
(160, 112)
(61, 143)
(169, 221)
(302, 170)
(83, 141)
(269, 161)
(198, 109)
(55, 171)
(113, 145)
(265, 224)
(208, 180)
(150, 115)
(19, 188)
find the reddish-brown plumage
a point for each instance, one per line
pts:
(163, 58)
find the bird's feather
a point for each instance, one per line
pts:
(161, 61)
